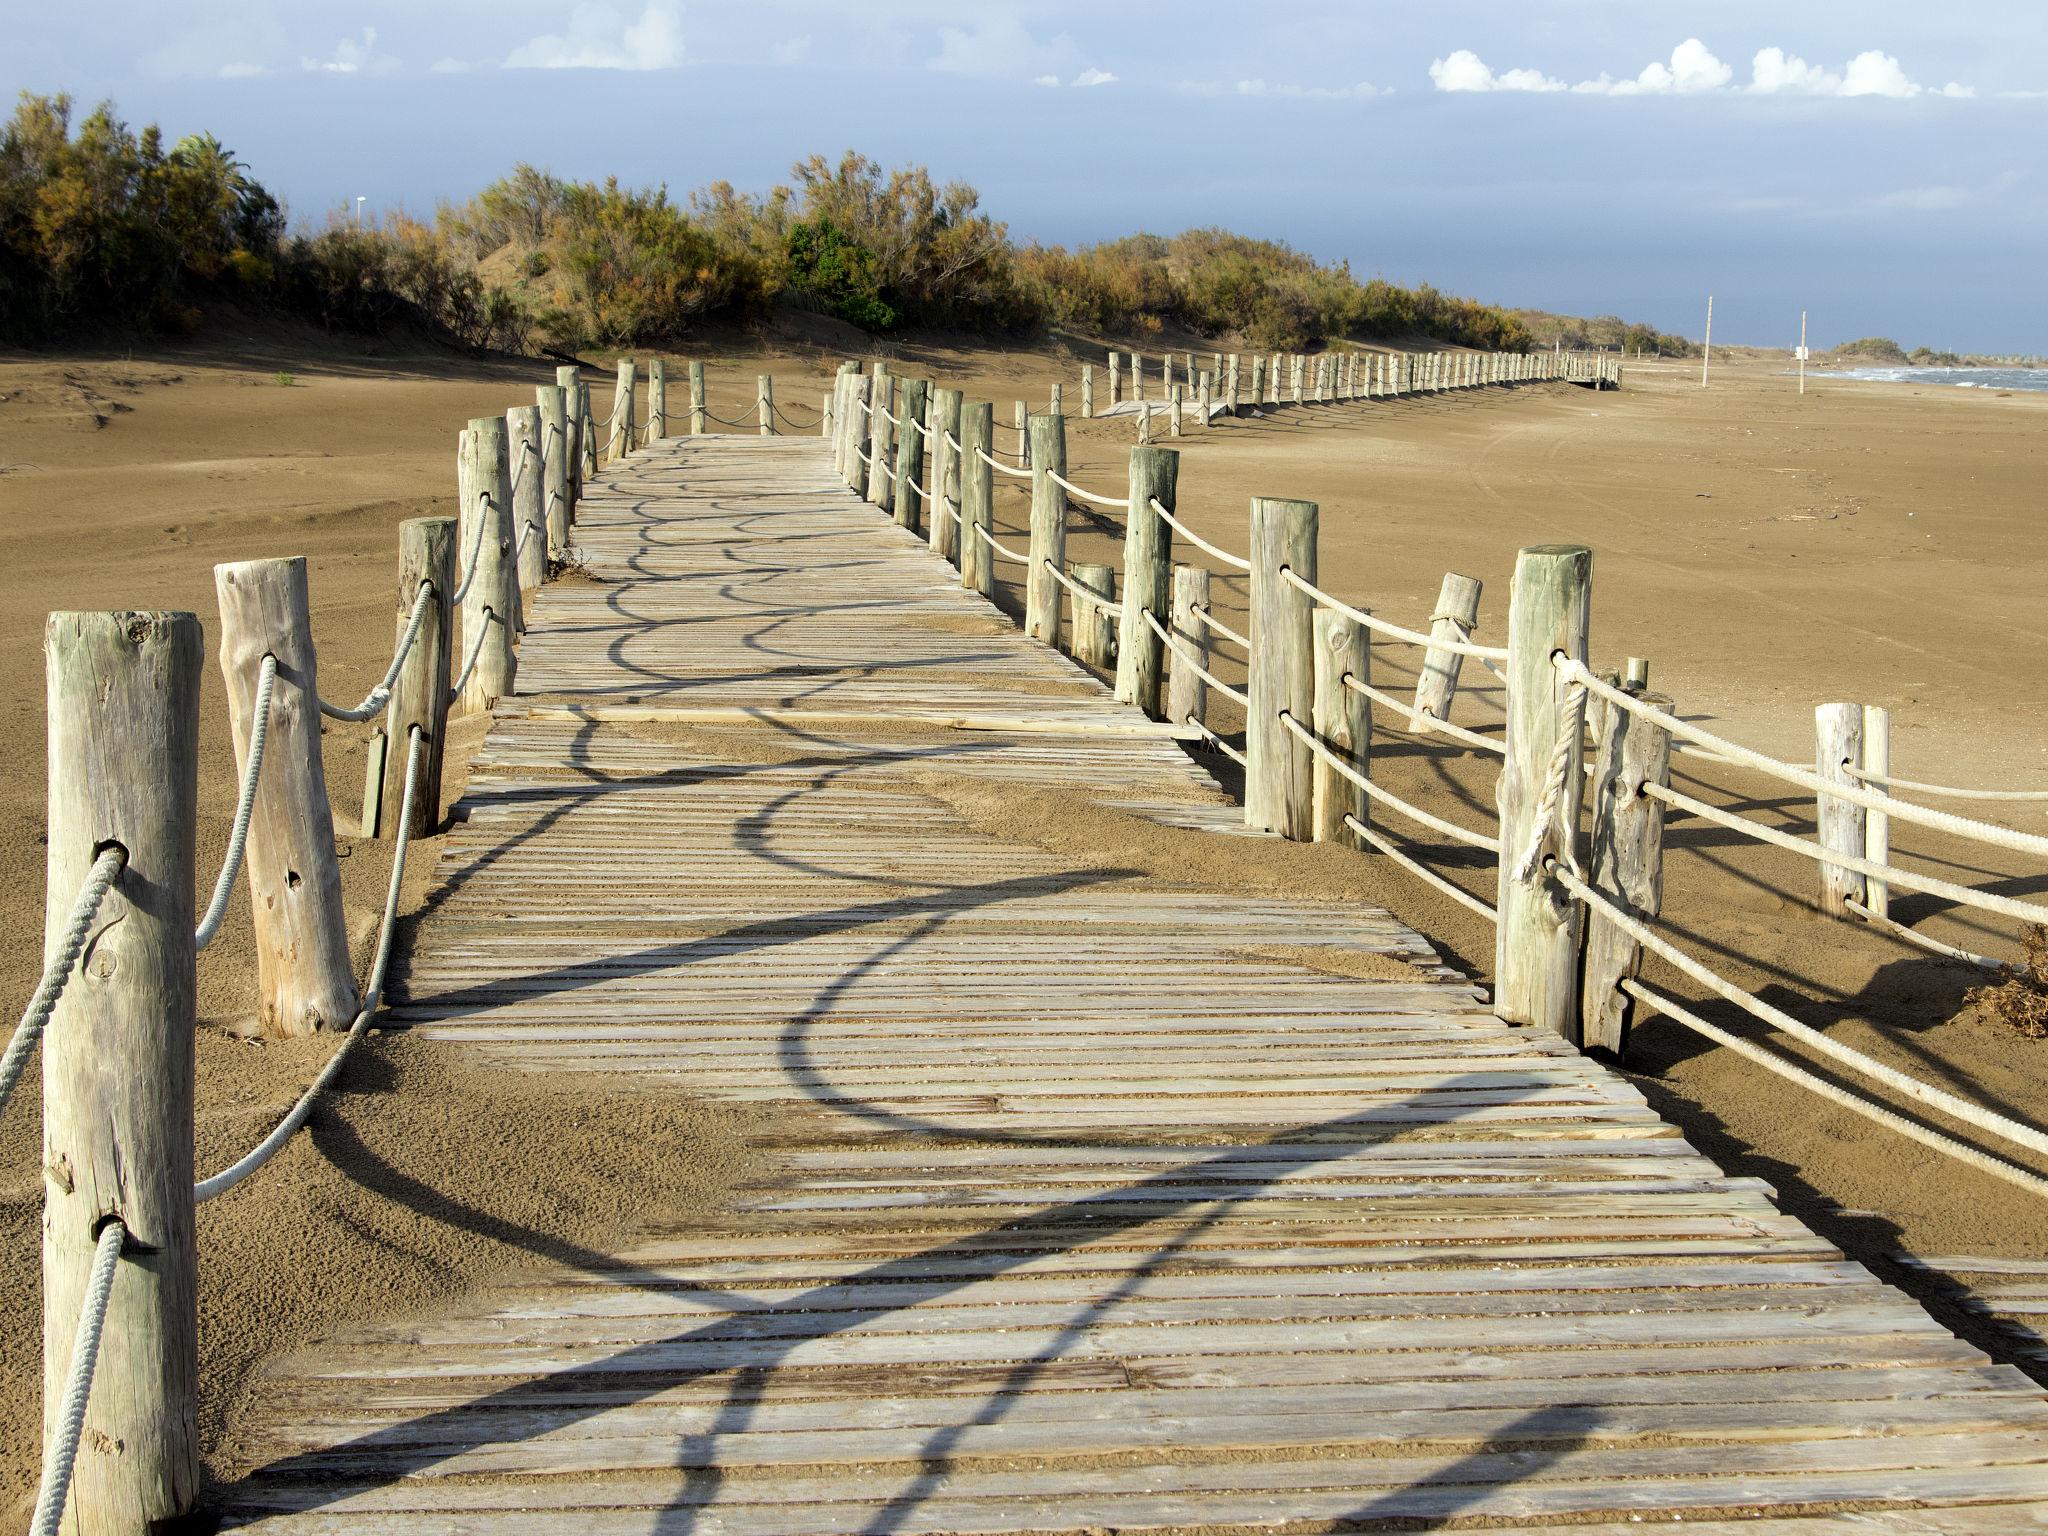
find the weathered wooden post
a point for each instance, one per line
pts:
(586, 437)
(622, 434)
(1094, 636)
(945, 481)
(1148, 567)
(977, 496)
(1628, 865)
(1056, 401)
(910, 451)
(697, 423)
(853, 420)
(1457, 611)
(576, 426)
(1024, 436)
(881, 437)
(419, 694)
(554, 467)
(1294, 376)
(123, 692)
(1173, 410)
(1877, 826)
(1137, 377)
(1279, 784)
(1273, 384)
(764, 402)
(304, 980)
(1048, 440)
(1166, 375)
(1187, 693)
(1635, 673)
(490, 594)
(1230, 384)
(1343, 719)
(657, 400)
(1115, 383)
(529, 519)
(1207, 392)
(1536, 948)
(1087, 391)
(1840, 824)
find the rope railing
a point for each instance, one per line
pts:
(1421, 722)
(476, 548)
(1234, 562)
(1060, 480)
(1216, 741)
(60, 1456)
(476, 649)
(1925, 941)
(1002, 549)
(997, 464)
(1373, 839)
(1209, 621)
(1391, 631)
(378, 698)
(790, 421)
(1947, 791)
(1079, 592)
(70, 945)
(1337, 764)
(744, 421)
(373, 997)
(1184, 651)
(245, 807)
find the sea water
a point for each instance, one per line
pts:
(1958, 378)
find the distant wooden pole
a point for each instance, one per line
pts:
(621, 442)
(657, 400)
(910, 451)
(1173, 410)
(1087, 391)
(554, 467)
(881, 437)
(764, 402)
(419, 694)
(1707, 351)
(1166, 375)
(1279, 783)
(1802, 352)
(1342, 717)
(1024, 436)
(1137, 377)
(1094, 636)
(697, 407)
(529, 503)
(1841, 825)
(490, 600)
(1455, 615)
(1187, 694)
(1056, 403)
(1230, 384)
(1115, 382)
(1877, 825)
(1148, 564)
(576, 426)
(977, 496)
(1048, 440)
(945, 485)
(1536, 950)
(304, 980)
(1628, 865)
(117, 1065)
(1258, 394)
(586, 437)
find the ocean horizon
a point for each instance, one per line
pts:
(2034, 379)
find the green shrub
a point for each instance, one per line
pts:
(837, 272)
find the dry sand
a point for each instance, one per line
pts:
(1870, 542)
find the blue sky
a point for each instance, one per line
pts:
(1876, 163)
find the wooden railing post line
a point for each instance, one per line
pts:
(118, 1057)
(1840, 825)
(657, 400)
(1187, 694)
(1087, 391)
(1628, 864)
(1148, 573)
(1536, 947)
(419, 696)
(490, 604)
(1279, 791)
(1094, 635)
(977, 496)
(569, 379)
(764, 402)
(1047, 436)
(696, 398)
(944, 502)
(621, 442)
(910, 451)
(554, 467)
(881, 437)
(1343, 719)
(529, 504)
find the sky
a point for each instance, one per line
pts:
(1876, 163)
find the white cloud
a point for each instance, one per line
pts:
(1694, 70)
(1466, 71)
(600, 37)
(1875, 73)
(353, 57)
(1774, 72)
(1089, 77)
(1052, 80)
(1359, 92)
(998, 44)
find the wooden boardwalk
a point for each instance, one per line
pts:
(1098, 1216)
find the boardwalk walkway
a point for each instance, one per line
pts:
(1097, 1217)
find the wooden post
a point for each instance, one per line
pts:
(1343, 719)
(586, 437)
(1087, 391)
(1273, 384)
(657, 400)
(1056, 402)
(1230, 384)
(1187, 694)
(576, 426)
(1258, 378)
(1173, 410)
(123, 692)
(1279, 784)
(1145, 422)
(1838, 747)
(529, 505)
(304, 980)
(1048, 440)
(1166, 374)
(1635, 674)
(554, 467)
(1299, 367)
(1628, 865)
(490, 601)
(1457, 611)
(1137, 377)
(1207, 393)
(419, 694)
(1148, 563)
(910, 451)
(825, 427)
(764, 402)
(945, 481)
(881, 437)
(977, 496)
(1877, 826)
(697, 423)
(1115, 383)
(1024, 437)
(622, 434)
(1094, 636)
(1536, 948)
(853, 427)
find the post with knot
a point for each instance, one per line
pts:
(881, 437)
(1343, 719)
(696, 398)
(621, 442)
(1047, 436)
(1629, 751)
(657, 400)
(575, 427)
(764, 402)
(1453, 619)
(1087, 391)
(554, 468)
(977, 496)
(910, 451)
(1148, 567)
(944, 508)
(118, 1060)
(1279, 793)
(529, 505)
(1187, 693)
(419, 694)
(1089, 618)
(1841, 825)
(1536, 946)
(490, 595)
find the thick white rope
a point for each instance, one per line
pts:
(1997, 1167)
(519, 469)
(1122, 502)
(1210, 621)
(887, 415)
(1898, 929)
(377, 698)
(997, 464)
(1218, 742)
(476, 548)
(1081, 594)
(1450, 829)
(1002, 549)
(70, 944)
(476, 649)
(1234, 562)
(1890, 874)
(245, 807)
(1420, 870)
(1543, 835)
(1937, 1098)
(1184, 650)
(865, 456)
(61, 1455)
(1947, 790)
(1417, 725)
(1382, 627)
(953, 443)
(373, 996)
(1855, 794)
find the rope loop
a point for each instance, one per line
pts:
(1543, 836)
